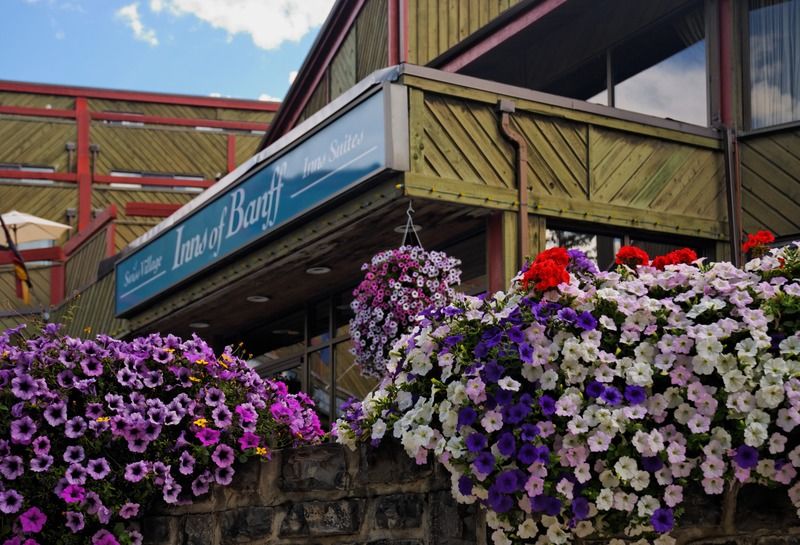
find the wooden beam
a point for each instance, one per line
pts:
(538, 234)
(150, 209)
(153, 181)
(55, 176)
(460, 192)
(55, 253)
(37, 112)
(138, 96)
(181, 121)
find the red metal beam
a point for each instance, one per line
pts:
(55, 176)
(726, 70)
(138, 96)
(160, 182)
(83, 164)
(36, 112)
(57, 284)
(111, 239)
(181, 122)
(56, 253)
(512, 28)
(494, 250)
(150, 209)
(99, 222)
(231, 152)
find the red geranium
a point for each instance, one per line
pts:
(632, 256)
(684, 255)
(548, 270)
(756, 240)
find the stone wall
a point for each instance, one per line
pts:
(328, 495)
(325, 495)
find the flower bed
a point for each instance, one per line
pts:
(93, 431)
(583, 403)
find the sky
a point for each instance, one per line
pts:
(232, 48)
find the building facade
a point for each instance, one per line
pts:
(509, 126)
(111, 164)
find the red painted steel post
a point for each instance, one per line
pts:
(57, 280)
(84, 171)
(231, 153)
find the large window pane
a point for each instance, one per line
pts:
(598, 247)
(349, 380)
(321, 376)
(663, 72)
(774, 45)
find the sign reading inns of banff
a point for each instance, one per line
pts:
(332, 160)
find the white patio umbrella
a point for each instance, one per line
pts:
(27, 228)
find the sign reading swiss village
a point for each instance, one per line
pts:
(345, 152)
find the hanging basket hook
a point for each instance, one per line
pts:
(410, 225)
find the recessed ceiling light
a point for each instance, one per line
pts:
(291, 332)
(402, 229)
(318, 270)
(199, 325)
(257, 298)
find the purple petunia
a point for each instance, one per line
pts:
(223, 455)
(73, 493)
(98, 468)
(135, 471)
(75, 521)
(249, 440)
(75, 427)
(611, 396)
(56, 413)
(547, 404)
(32, 520)
(186, 465)
(207, 437)
(41, 445)
(214, 396)
(476, 442)
(24, 387)
(224, 475)
(73, 454)
(10, 501)
(40, 463)
(11, 467)
(506, 444)
(636, 395)
(22, 430)
(746, 457)
(129, 510)
(662, 520)
(484, 463)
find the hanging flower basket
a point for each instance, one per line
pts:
(398, 284)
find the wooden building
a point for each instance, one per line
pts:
(111, 164)
(510, 125)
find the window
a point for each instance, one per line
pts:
(774, 62)
(602, 244)
(659, 72)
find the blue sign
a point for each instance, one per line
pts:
(332, 160)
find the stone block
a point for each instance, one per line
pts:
(200, 530)
(700, 508)
(788, 539)
(395, 542)
(451, 522)
(759, 507)
(160, 530)
(399, 511)
(322, 467)
(246, 523)
(389, 463)
(322, 518)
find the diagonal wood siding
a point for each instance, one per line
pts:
(46, 202)
(81, 267)
(770, 173)
(372, 38)
(40, 292)
(91, 312)
(581, 165)
(177, 110)
(159, 150)
(437, 25)
(246, 147)
(26, 141)
(36, 101)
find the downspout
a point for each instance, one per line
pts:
(506, 108)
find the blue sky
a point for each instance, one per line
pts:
(237, 48)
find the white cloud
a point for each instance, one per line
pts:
(60, 35)
(268, 98)
(268, 22)
(292, 76)
(130, 14)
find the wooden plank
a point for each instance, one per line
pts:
(511, 258)
(416, 120)
(372, 38)
(343, 66)
(463, 20)
(442, 35)
(538, 233)
(456, 191)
